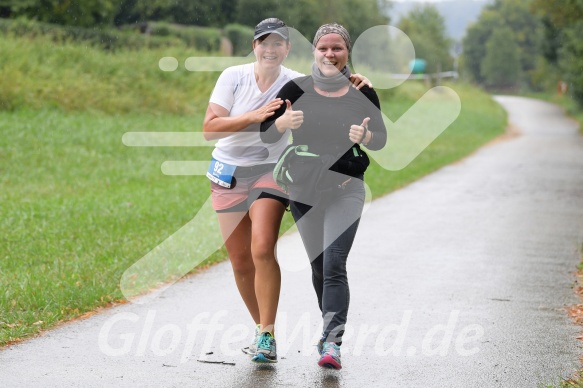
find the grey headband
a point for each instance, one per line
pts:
(333, 28)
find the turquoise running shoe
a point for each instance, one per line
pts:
(330, 356)
(266, 349)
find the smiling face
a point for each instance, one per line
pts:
(331, 54)
(271, 51)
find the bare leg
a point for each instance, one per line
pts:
(236, 231)
(266, 215)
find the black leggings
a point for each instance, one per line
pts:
(327, 232)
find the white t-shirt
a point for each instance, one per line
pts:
(236, 90)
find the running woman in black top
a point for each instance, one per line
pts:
(333, 120)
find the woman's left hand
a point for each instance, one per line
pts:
(358, 133)
(359, 80)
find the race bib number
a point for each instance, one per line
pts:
(221, 173)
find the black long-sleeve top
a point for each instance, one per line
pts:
(327, 120)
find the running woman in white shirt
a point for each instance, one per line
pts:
(248, 202)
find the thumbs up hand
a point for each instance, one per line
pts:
(360, 133)
(291, 119)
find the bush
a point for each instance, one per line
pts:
(241, 37)
(571, 60)
(202, 38)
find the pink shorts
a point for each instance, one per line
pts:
(246, 190)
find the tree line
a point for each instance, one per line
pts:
(527, 44)
(304, 15)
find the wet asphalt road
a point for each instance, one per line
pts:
(457, 280)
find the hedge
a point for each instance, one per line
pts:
(109, 39)
(241, 37)
(202, 38)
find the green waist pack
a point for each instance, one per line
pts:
(292, 156)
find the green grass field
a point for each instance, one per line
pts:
(78, 207)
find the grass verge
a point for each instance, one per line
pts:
(576, 314)
(38, 73)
